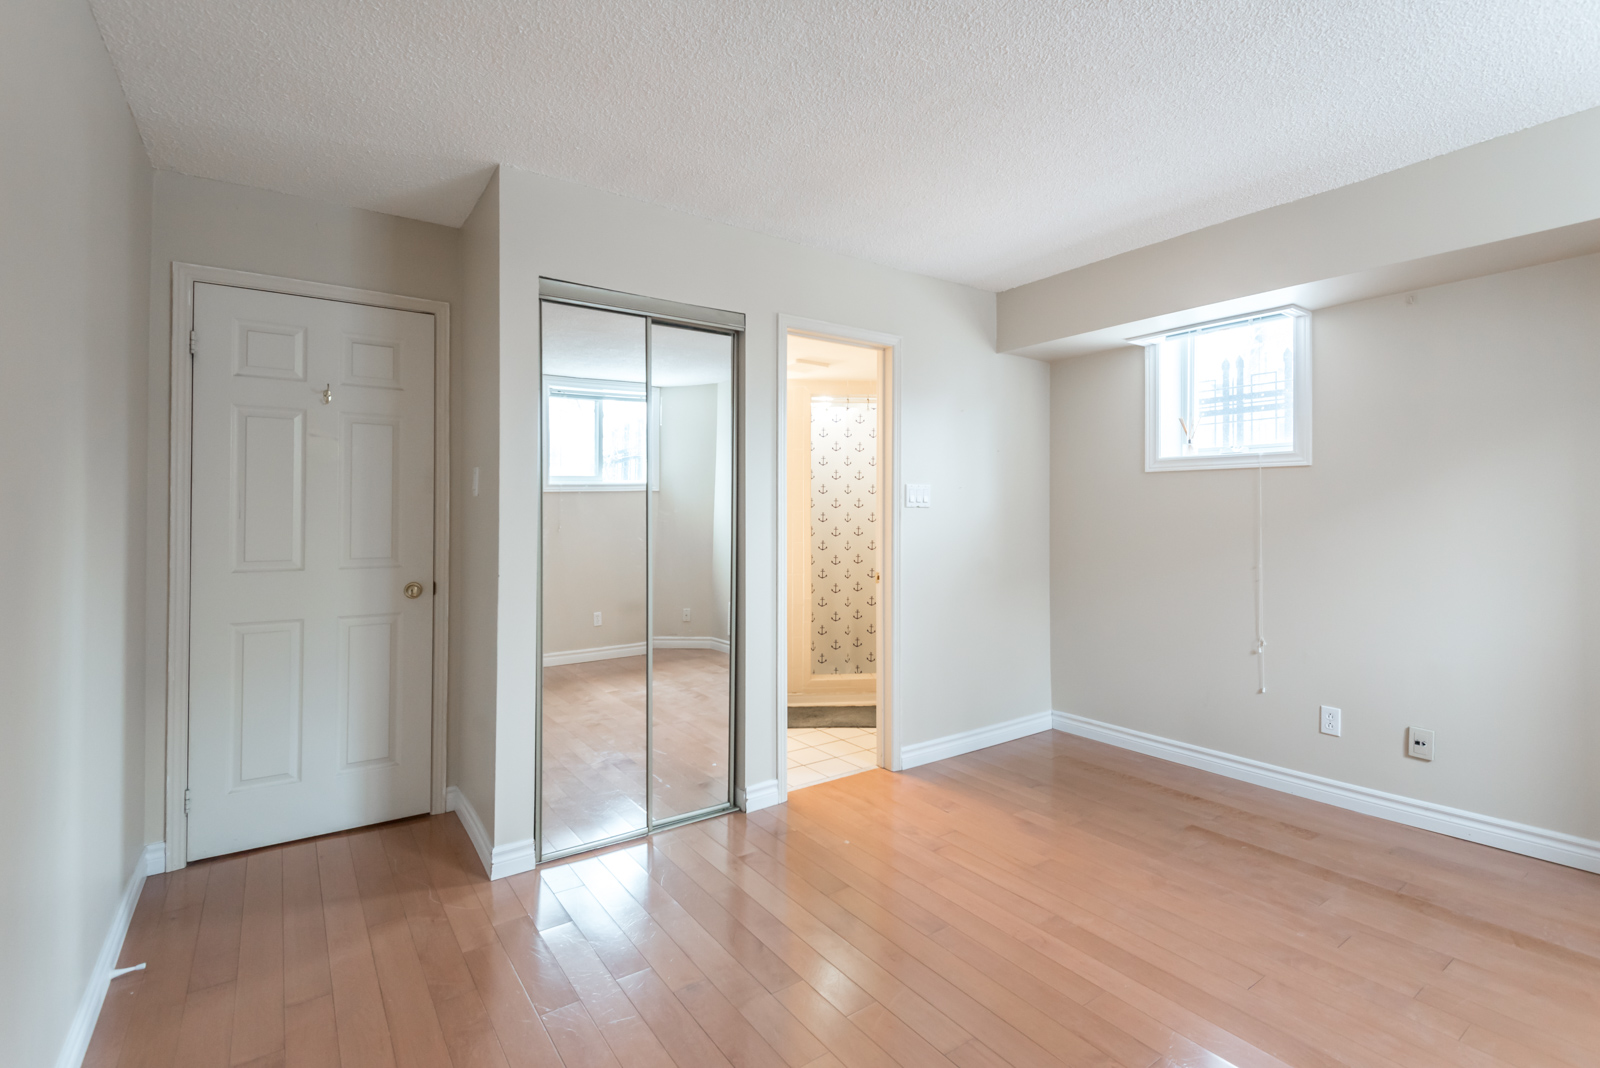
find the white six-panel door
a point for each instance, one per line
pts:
(310, 667)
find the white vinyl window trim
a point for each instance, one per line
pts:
(1193, 422)
(600, 389)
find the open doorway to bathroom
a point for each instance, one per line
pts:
(839, 502)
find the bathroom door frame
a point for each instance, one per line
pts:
(889, 726)
(672, 313)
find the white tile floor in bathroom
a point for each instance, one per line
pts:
(817, 754)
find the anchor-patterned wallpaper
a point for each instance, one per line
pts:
(844, 535)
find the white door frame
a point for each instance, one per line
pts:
(889, 725)
(181, 447)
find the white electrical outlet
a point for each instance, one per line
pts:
(597, 619)
(919, 495)
(686, 615)
(1331, 720)
(1419, 743)
(474, 481)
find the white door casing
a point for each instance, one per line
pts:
(312, 507)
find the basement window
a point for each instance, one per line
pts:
(595, 434)
(1230, 393)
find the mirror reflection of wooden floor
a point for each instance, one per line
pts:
(594, 741)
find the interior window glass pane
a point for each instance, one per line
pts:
(1240, 387)
(572, 441)
(622, 433)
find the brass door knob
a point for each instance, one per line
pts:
(413, 590)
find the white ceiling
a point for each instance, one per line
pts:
(819, 358)
(987, 142)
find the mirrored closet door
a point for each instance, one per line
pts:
(637, 557)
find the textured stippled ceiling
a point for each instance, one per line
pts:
(990, 142)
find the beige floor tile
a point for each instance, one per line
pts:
(800, 777)
(832, 767)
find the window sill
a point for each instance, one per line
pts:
(1229, 461)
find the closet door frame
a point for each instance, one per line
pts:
(668, 313)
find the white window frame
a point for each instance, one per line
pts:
(599, 387)
(1298, 456)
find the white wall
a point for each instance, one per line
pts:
(217, 224)
(985, 561)
(1435, 567)
(75, 214)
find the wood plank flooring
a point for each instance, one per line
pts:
(1051, 901)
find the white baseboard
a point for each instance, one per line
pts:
(950, 745)
(1554, 846)
(498, 862)
(760, 795)
(514, 858)
(151, 862)
(616, 652)
(456, 801)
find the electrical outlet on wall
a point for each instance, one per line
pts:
(597, 619)
(1332, 720)
(686, 615)
(1419, 743)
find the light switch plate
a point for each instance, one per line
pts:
(919, 495)
(1419, 743)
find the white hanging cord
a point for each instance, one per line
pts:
(1261, 586)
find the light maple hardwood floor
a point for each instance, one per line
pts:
(1048, 901)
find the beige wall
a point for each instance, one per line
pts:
(686, 556)
(1525, 198)
(75, 215)
(952, 564)
(216, 224)
(474, 521)
(594, 562)
(1435, 567)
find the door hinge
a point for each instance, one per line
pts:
(191, 344)
(187, 797)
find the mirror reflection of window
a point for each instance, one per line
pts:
(573, 422)
(597, 432)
